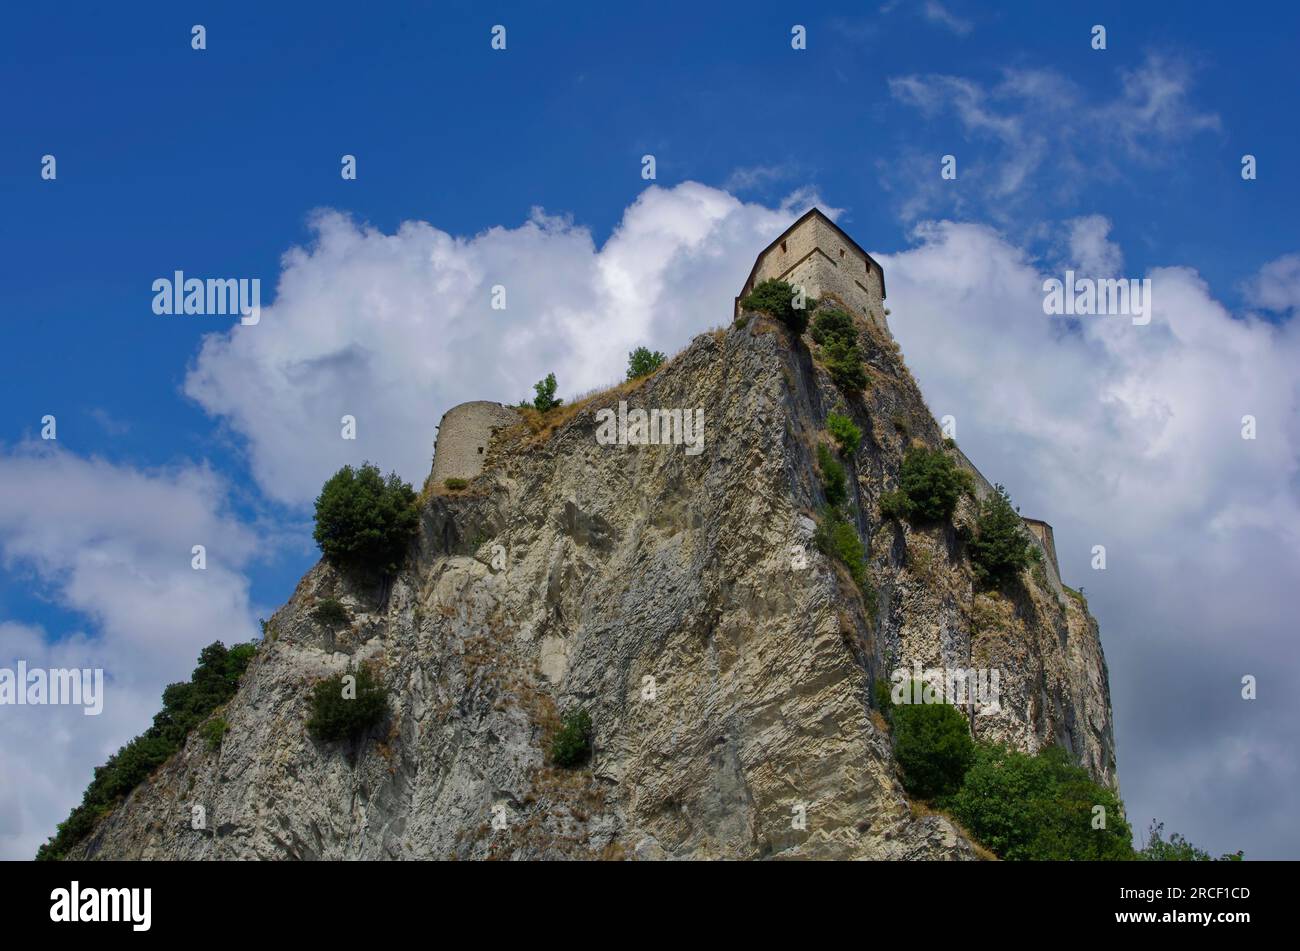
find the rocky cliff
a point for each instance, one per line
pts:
(726, 663)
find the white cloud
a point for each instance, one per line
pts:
(113, 545)
(1118, 434)
(1038, 137)
(395, 329)
(1130, 437)
(1277, 285)
(936, 12)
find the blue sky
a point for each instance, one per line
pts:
(220, 161)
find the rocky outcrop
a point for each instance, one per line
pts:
(727, 665)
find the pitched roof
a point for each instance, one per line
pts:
(838, 230)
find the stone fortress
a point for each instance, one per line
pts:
(463, 437)
(813, 252)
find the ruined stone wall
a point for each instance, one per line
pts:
(463, 437)
(1039, 530)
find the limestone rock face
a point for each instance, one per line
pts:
(727, 665)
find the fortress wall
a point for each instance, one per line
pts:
(463, 437)
(817, 256)
(1038, 530)
(1043, 532)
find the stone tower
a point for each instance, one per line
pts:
(817, 254)
(463, 437)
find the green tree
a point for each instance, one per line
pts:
(572, 743)
(835, 332)
(933, 747)
(1040, 808)
(330, 612)
(365, 523)
(1177, 849)
(184, 705)
(776, 299)
(845, 432)
(343, 709)
(837, 537)
(1001, 547)
(642, 362)
(834, 481)
(545, 399)
(831, 325)
(930, 484)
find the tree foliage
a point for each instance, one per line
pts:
(642, 362)
(545, 399)
(834, 480)
(776, 299)
(184, 706)
(933, 747)
(837, 537)
(345, 706)
(1177, 849)
(1040, 807)
(1001, 547)
(364, 522)
(572, 743)
(845, 432)
(930, 484)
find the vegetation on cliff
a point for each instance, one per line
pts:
(572, 743)
(184, 706)
(642, 362)
(345, 706)
(364, 522)
(1001, 548)
(544, 401)
(929, 485)
(836, 334)
(778, 299)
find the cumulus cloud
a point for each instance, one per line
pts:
(1131, 437)
(111, 545)
(1120, 435)
(1277, 285)
(394, 329)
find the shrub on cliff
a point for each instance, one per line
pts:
(933, 747)
(831, 325)
(345, 706)
(776, 299)
(545, 399)
(834, 481)
(837, 537)
(330, 612)
(642, 362)
(1000, 548)
(930, 484)
(184, 706)
(572, 743)
(365, 523)
(1039, 807)
(213, 732)
(837, 335)
(845, 433)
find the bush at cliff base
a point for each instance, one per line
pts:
(1040, 807)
